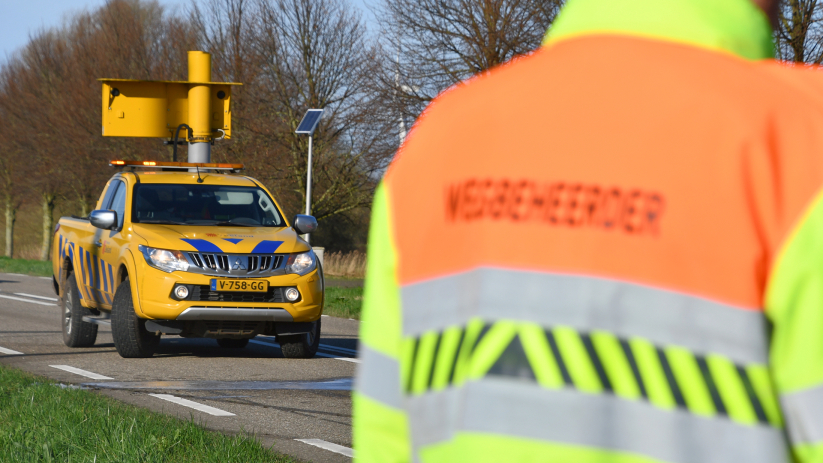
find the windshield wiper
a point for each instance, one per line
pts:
(163, 222)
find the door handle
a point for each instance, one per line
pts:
(99, 243)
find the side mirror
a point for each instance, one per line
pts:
(103, 218)
(304, 224)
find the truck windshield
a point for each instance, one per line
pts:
(204, 205)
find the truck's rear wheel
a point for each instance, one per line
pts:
(131, 339)
(301, 346)
(228, 343)
(76, 332)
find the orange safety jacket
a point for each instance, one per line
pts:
(610, 250)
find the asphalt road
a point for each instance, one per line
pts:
(283, 401)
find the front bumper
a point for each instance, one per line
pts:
(235, 313)
(156, 301)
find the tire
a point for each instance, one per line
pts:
(76, 332)
(301, 346)
(131, 339)
(228, 343)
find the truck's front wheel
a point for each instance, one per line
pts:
(76, 332)
(131, 339)
(301, 346)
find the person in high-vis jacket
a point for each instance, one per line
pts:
(610, 250)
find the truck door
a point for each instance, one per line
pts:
(106, 249)
(86, 251)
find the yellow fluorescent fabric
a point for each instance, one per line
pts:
(480, 447)
(380, 432)
(381, 296)
(794, 304)
(735, 26)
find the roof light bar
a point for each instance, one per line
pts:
(177, 165)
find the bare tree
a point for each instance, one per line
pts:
(11, 167)
(439, 43)
(224, 29)
(290, 54)
(799, 35)
(313, 54)
(56, 97)
(11, 161)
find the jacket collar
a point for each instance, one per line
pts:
(734, 26)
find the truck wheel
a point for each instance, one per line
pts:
(76, 332)
(131, 339)
(228, 343)
(301, 346)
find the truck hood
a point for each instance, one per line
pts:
(228, 240)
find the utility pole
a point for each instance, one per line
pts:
(307, 126)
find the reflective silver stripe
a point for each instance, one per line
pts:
(586, 303)
(511, 408)
(378, 377)
(803, 413)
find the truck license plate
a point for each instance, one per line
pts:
(254, 286)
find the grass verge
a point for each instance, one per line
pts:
(42, 422)
(343, 302)
(25, 266)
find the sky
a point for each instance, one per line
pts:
(21, 18)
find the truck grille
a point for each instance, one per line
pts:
(204, 293)
(242, 265)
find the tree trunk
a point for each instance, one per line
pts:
(48, 223)
(11, 217)
(84, 208)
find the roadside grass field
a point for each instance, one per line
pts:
(42, 422)
(343, 302)
(27, 267)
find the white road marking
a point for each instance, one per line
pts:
(9, 351)
(44, 278)
(329, 446)
(80, 372)
(319, 354)
(194, 405)
(332, 356)
(17, 274)
(38, 297)
(27, 300)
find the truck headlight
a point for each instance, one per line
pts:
(162, 259)
(301, 263)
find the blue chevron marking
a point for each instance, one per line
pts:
(202, 245)
(111, 279)
(266, 247)
(82, 267)
(105, 278)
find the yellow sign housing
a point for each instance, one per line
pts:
(146, 108)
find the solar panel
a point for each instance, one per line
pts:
(309, 122)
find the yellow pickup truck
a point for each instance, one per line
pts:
(194, 250)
